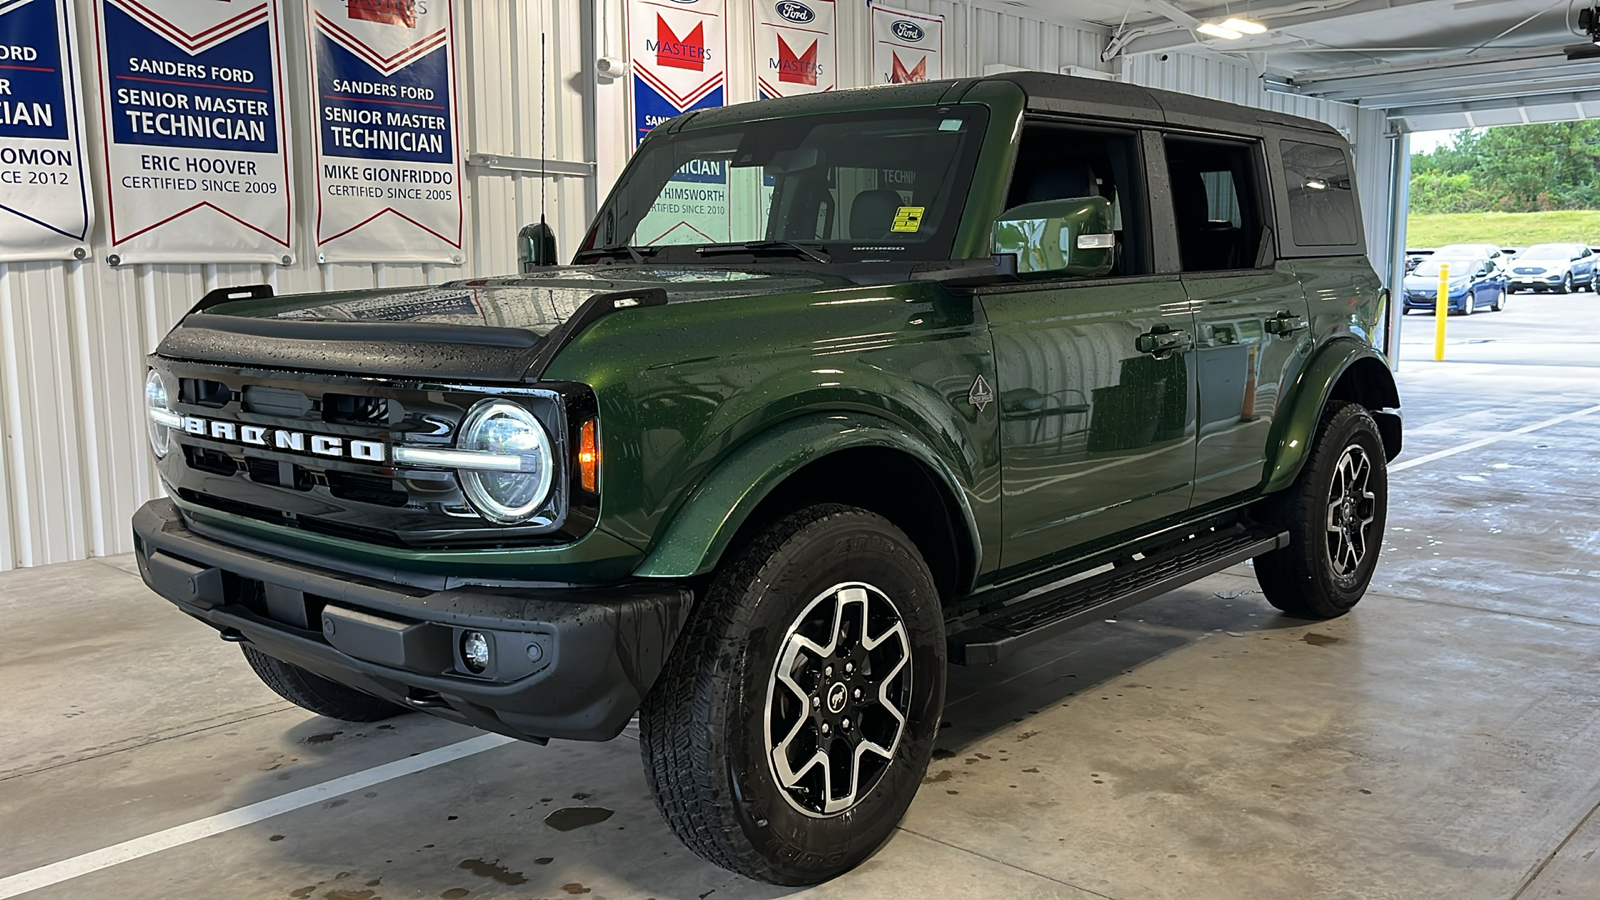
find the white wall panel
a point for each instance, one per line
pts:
(73, 335)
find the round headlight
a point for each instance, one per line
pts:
(157, 410)
(505, 429)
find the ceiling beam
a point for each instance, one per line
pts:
(1511, 93)
(1468, 107)
(1155, 35)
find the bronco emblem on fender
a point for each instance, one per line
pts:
(980, 395)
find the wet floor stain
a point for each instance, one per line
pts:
(492, 870)
(943, 775)
(322, 738)
(303, 893)
(575, 888)
(569, 817)
(338, 894)
(1320, 640)
(942, 753)
(454, 894)
(1027, 734)
(276, 837)
(544, 860)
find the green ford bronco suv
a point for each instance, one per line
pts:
(837, 391)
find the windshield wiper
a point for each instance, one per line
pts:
(767, 248)
(634, 254)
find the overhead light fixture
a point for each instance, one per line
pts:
(1244, 26)
(1212, 29)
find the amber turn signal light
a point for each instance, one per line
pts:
(588, 458)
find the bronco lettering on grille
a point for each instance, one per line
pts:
(286, 440)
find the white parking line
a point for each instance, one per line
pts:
(178, 835)
(1493, 438)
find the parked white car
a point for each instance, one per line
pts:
(1562, 268)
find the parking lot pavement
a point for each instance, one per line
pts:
(1437, 742)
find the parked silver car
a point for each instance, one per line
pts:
(1562, 268)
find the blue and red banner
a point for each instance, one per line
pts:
(195, 136)
(388, 154)
(795, 47)
(677, 52)
(906, 46)
(45, 211)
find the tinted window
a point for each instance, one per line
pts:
(1215, 203)
(1057, 162)
(1322, 200)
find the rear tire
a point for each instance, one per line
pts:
(1334, 513)
(822, 636)
(317, 694)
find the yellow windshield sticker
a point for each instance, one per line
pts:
(907, 218)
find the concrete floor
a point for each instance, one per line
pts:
(1438, 742)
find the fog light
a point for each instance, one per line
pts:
(475, 651)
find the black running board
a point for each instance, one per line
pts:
(991, 637)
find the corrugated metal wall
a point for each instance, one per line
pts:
(73, 464)
(73, 335)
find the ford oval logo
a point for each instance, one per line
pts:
(796, 12)
(906, 30)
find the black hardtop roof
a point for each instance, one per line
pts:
(1045, 92)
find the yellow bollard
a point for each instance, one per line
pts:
(1441, 311)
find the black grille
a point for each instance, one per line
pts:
(204, 392)
(277, 402)
(366, 489)
(242, 462)
(348, 409)
(207, 460)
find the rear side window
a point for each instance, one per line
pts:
(1322, 201)
(1215, 202)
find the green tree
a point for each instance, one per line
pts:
(1516, 168)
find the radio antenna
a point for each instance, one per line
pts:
(544, 124)
(536, 244)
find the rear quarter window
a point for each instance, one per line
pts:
(1322, 197)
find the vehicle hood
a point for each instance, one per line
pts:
(481, 329)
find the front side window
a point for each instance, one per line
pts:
(1061, 162)
(883, 186)
(1322, 200)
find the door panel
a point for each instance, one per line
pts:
(1097, 437)
(1244, 369)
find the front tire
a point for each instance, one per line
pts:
(796, 716)
(1499, 300)
(1566, 284)
(1334, 513)
(317, 694)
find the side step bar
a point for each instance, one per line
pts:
(991, 637)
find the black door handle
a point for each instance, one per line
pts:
(1161, 341)
(1284, 324)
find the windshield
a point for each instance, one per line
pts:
(1547, 253)
(885, 185)
(1458, 266)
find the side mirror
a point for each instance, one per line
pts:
(1063, 237)
(536, 246)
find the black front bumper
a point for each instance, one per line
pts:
(567, 662)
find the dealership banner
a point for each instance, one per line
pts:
(45, 211)
(906, 46)
(196, 137)
(677, 50)
(795, 47)
(388, 150)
